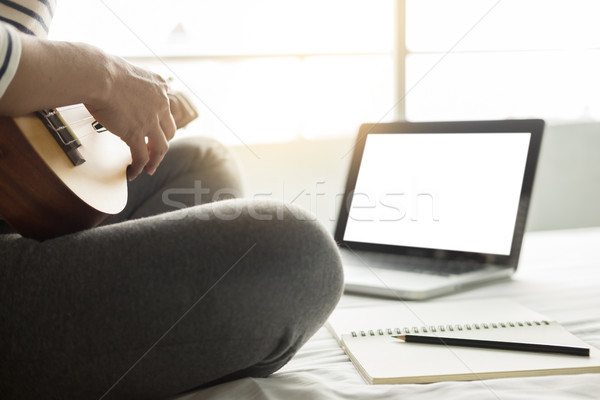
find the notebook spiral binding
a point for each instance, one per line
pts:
(448, 328)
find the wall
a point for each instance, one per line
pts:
(312, 174)
(567, 187)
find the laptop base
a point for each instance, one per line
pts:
(367, 279)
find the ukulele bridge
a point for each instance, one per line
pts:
(62, 134)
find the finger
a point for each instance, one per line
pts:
(175, 107)
(189, 113)
(168, 125)
(190, 110)
(157, 148)
(190, 107)
(178, 110)
(139, 156)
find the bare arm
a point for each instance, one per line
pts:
(129, 101)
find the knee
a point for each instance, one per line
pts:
(301, 253)
(213, 164)
(294, 262)
(297, 272)
(278, 276)
(302, 268)
(201, 148)
(313, 259)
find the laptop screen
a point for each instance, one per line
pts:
(448, 191)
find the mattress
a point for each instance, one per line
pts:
(558, 275)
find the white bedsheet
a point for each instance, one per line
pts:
(559, 275)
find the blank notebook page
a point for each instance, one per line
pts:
(383, 359)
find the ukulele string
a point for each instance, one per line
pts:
(79, 123)
(76, 123)
(80, 137)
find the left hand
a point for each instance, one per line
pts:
(182, 109)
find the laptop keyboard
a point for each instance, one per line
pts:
(409, 264)
(443, 268)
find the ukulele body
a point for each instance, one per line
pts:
(42, 193)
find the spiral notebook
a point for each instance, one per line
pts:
(365, 334)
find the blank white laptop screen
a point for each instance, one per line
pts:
(449, 191)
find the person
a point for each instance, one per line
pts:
(160, 300)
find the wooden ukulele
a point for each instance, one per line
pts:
(60, 172)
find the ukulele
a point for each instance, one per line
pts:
(60, 172)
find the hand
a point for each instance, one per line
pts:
(135, 106)
(182, 109)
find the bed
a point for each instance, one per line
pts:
(559, 275)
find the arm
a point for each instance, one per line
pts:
(129, 101)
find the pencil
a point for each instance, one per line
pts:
(492, 344)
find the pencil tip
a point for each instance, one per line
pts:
(401, 337)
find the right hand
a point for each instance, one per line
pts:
(134, 105)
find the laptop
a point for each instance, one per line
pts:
(435, 207)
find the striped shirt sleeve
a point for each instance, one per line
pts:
(28, 16)
(32, 17)
(10, 53)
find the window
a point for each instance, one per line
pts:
(485, 59)
(269, 70)
(260, 70)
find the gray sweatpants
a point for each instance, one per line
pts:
(158, 303)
